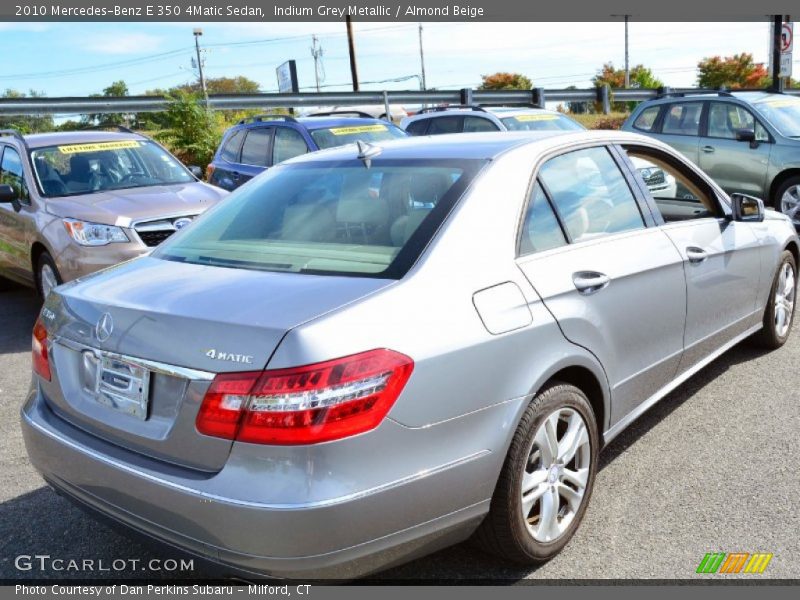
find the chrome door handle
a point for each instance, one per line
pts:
(695, 254)
(708, 149)
(589, 282)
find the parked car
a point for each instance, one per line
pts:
(473, 118)
(354, 378)
(748, 142)
(82, 201)
(257, 143)
(375, 111)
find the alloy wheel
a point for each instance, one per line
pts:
(784, 299)
(790, 203)
(556, 474)
(48, 280)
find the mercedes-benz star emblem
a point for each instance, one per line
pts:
(181, 223)
(104, 327)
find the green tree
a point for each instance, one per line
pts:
(117, 89)
(732, 72)
(640, 77)
(505, 81)
(192, 132)
(26, 123)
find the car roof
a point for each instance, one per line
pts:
(751, 97)
(58, 138)
(479, 146)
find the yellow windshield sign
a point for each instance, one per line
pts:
(359, 129)
(98, 146)
(544, 117)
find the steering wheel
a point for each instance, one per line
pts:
(130, 177)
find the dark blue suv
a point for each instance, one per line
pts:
(256, 143)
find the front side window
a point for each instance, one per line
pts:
(473, 124)
(590, 194)
(724, 119)
(442, 125)
(678, 193)
(288, 144)
(255, 150)
(683, 118)
(330, 137)
(327, 218)
(90, 167)
(540, 228)
(11, 172)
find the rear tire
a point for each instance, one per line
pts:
(779, 313)
(47, 275)
(787, 199)
(541, 495)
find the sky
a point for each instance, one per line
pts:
(77, 59)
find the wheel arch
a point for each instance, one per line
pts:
(778, 181)
(793, 248)
(37, 249)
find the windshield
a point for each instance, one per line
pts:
(91, 167)
(330, 137)
(783, 113)
(540, 122)
(327, 218)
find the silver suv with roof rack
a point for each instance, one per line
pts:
(748, 142)
(75, 202)
(469, 118)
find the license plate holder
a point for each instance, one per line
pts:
(122, 384)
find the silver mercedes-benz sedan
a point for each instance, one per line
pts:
(372, 352)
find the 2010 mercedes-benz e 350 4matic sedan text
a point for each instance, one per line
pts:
(369, 353)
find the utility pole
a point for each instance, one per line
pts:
(197, 33)
(352, 47)
(422, 59)
(317, 54)
(627, 65)
(777, 27)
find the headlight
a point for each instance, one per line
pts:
(94, 234)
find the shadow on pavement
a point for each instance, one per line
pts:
(19, 307)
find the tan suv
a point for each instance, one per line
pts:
(73, 203)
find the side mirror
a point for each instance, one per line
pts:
(747, 208)
(196, 171)
(8, 195)
(747, 135)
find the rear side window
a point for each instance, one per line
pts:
(473, 124)
(255, 150)
(683, 118)
(288, 144)
(230, 149)
(11, 173)
(540, 229)
(647, 118)
(417, 127)
(328, 218)
(440, 125)
(590, 194)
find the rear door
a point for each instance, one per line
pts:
(734, 165)
(17, 224)
(680, 127)
(615, 285)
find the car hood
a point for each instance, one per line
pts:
(121, 207)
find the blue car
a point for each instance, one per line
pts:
(256, 143)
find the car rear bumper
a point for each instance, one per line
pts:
(339, 537)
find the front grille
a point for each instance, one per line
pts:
(656, 178)
(154, 238)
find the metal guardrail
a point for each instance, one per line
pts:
(535, 97)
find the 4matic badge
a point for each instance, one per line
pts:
(229, 356)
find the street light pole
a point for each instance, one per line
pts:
(352, 47)
(317, 54)
(627, 65)
(422, 58)
(197, 33)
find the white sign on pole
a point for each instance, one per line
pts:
(787, 43)
(786, 65)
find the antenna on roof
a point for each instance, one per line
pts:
(366, 152)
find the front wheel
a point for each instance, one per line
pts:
(779, 314)
(787, 199)
(47, 275)
(547, 479)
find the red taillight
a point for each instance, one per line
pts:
(305, 405)
(41, 361)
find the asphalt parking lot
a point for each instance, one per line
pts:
(713, 467)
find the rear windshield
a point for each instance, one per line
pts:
(329, 137)
(540, 122)
(328, 218)
(89, 167)
(783, 113)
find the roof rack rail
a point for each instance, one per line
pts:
(681, 94)
(267, 116)
(477, 107)
(341, 113)
(16, 135)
